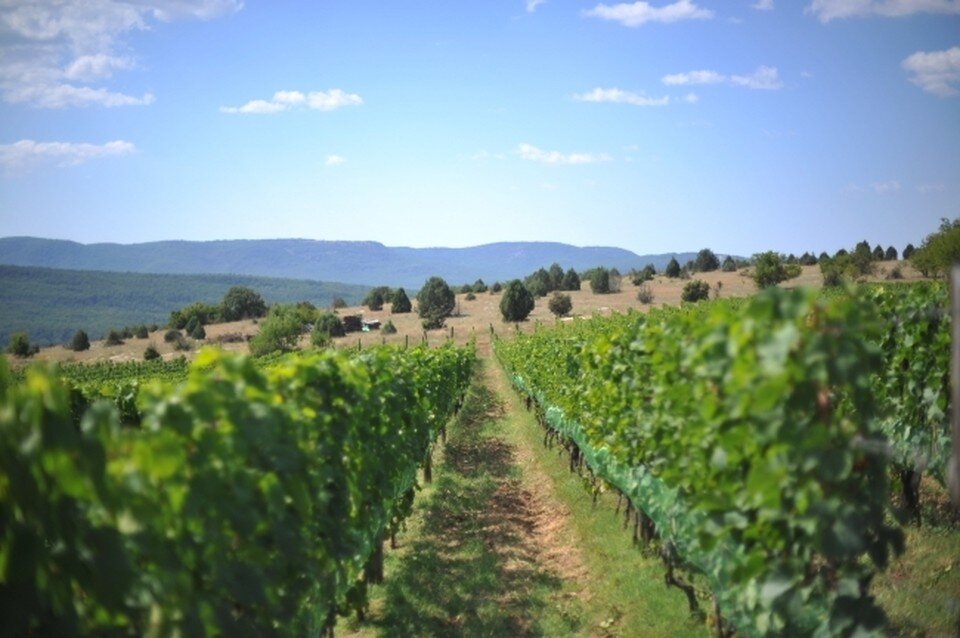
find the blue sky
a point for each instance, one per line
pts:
(654, 126)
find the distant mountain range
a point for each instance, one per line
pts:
(352, 262)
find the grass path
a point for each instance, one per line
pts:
(505, 542)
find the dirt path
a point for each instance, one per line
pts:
(489, 552)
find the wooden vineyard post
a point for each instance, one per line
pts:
(953, 469)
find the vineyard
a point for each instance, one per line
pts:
(249, 500)
(752, 445)
(754, 440)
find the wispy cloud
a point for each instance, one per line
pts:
(764, 78)
(621, 97)
(28, 152)
(285, 100)
(533, 4)
(763, 5)
(926, 189)
(827, 10)
(335, 160)
(54, 50)
(640, 13)
(935, 72)
(533, 154)
(887, 187)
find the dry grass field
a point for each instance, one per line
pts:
(474, 318)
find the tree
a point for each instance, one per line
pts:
(496, 287)
(172, 335)
(338, 303)
(141, 332)
(198, 332)
(571, 280)
(600, 281)
(479, 286)
(328, 325)
(695, 290)
(435, 302)
(151, 353)
(401, 302)
(80, 341)
(517, 301)
(706, 261)
(807, 259)
(388, 328)
(114, 338)
(891, 254)
(908, 251)
(769, 270)
(939, 250)
(673, 268)
(538, 283)
(728, 265)
(241, 302)
(192, 325)
(374, 299)
(560, 304)
(556, 277)
(280, 331)
(204, 313)
(878, 253)
(19, 345)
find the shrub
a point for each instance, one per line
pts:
(695, 290)
(560, 304)
(673, 268)
(198, 332)
(939, 250)
(470, 296)
(80, 341)
(571, 280)
(172, 335)
(181, 343)
(479, 286)
(517, 302)
(538, 283)
(496, 288)
(435, 302)
(388, 328)
(728, 265)
(895, 273)
(280, 331)
(600, 281)
(19, 345)
(338, 303)
(331, 324)
(151, 353)
(833, 270)
(401, 302)
(645, 294)
(241, 302)
(374, 300)
(192, 325)
(114, 338)
(706, 261)
(769, 270)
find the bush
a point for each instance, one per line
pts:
(114, 338)
(388, 328)
(401, 302)
(939, 250)
(80, 341)
(435, 302)
(279, 332)
(833, 271)
(338, 303)
(19, 345)
(600, 281)
(517, 302)
(151, 353)
(241, 302)
(538, 283)
(560, 304)
(141, 332)
(645, 294)
(331, 324)
(673, 268)
(895, 273)
(374, 299)
(198, 332)
(181, 343)
(496, 288)
(470, 296)
(769, 270)
(695, 290)
(172, 335)
(728, 265)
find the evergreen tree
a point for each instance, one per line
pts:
(80, 341)
(401, 303)
(517, 302)
(673, 268)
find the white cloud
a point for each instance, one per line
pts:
(691, 98)
(621, 97)
(534, 154)
(883, 188)
(765, 77)
(935, 72)
(53, 49)
(335, 160)
(286, 100)
(694, 77)
(763, 5)
(28, 152)
(926, 189)
(533, 4)
(639, 13)
(827, 10)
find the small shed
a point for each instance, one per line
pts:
(371, 324)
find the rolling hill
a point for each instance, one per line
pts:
(354, 262)
(51, 304)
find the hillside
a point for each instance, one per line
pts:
(354, 262)
(50, 304)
